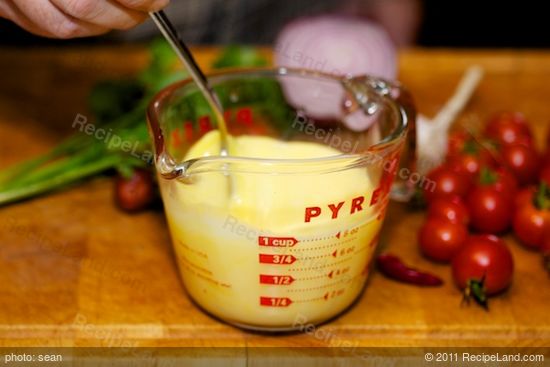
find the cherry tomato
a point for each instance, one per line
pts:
(544, 174)
(440, 239)
(456, 142)
(467, 155)
(529, 225)
(445, 182)
(134, 193)
(509, 128)
(484, 257)
(531, 220)
(452, 209)
(500, 179)
(490, 210)
(524, 196)
(522, 161)
(507, 116)
(470, 164)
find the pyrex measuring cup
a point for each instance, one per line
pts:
(270, 241)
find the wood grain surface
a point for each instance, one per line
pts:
(75, 271)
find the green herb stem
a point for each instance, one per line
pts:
(57, 181)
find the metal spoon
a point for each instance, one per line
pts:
(171, 35)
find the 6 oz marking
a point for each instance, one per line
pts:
(277, 259)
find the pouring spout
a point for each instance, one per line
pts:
(167, 167)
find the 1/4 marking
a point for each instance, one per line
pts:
(275, 301)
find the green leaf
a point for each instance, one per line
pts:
(541, 199)
(111, 99)
(163, 67)
(475, 288)
(239, 56)
(487, 176)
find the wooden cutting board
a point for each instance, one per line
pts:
(75, 271)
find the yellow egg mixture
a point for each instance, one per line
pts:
(266, 250)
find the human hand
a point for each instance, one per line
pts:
(77, 18)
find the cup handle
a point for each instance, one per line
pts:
(404, 183)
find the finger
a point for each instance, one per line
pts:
(144, 5)
(9, 11)
(6, 10)
(49, 21)
(104, 13)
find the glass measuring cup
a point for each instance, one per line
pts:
(284, 234)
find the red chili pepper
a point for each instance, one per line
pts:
(394, 268)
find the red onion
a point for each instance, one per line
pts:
(336, 45)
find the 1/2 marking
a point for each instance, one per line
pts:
(276, 279)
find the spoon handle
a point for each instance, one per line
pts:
(171, 35)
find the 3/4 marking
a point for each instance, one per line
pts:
(277, 259)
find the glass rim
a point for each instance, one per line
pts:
(163, 158)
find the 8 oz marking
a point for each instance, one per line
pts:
(277, 241)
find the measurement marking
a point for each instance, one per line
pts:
(277, 259)
(322, 286)
(316, 257)
(277, 241)
(275, 301)
(205, 277)
(325, 297)
(322, 266)
(276, 279)
(192, 250)
(324, 246)
(348, 240)
(314, 248)
(317, 239)
(315, 277)
(192, 265)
